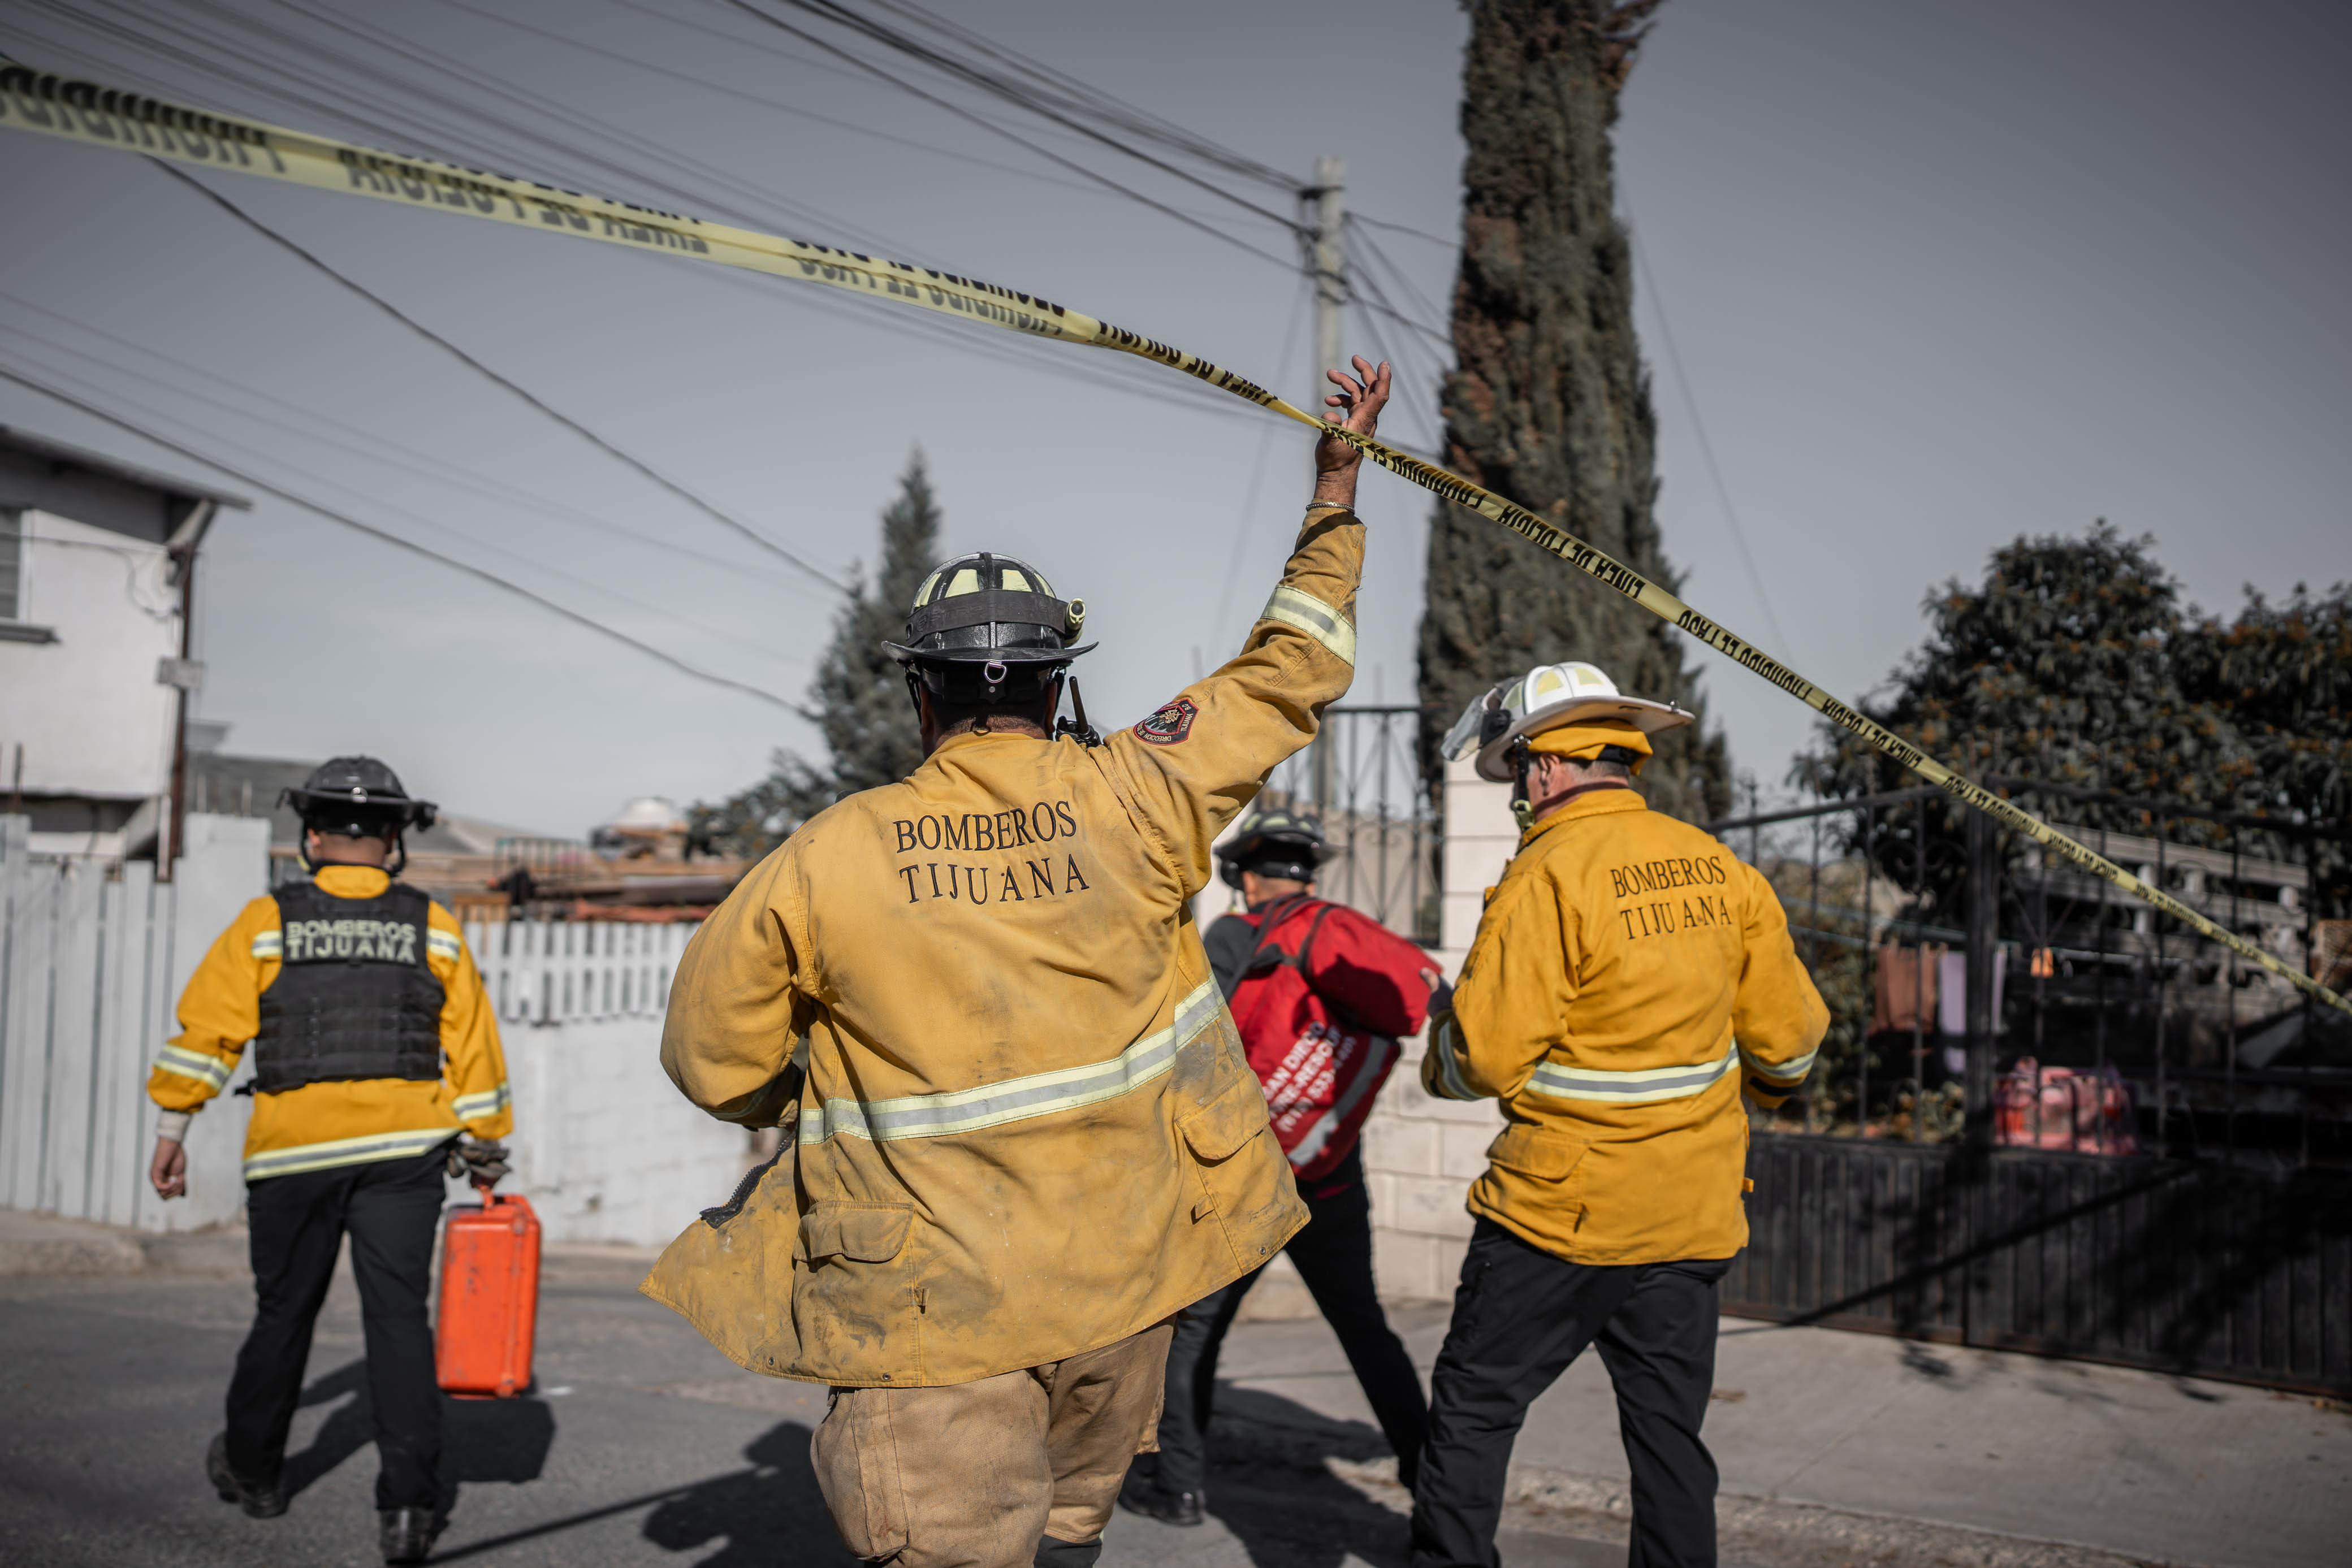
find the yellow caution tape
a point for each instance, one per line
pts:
(101, 116)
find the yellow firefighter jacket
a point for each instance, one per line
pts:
(1628, 975)
(345, 1122)
(1027, 1127)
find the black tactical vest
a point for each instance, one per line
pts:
(354, 997)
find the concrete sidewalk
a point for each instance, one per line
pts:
(2139, 1465)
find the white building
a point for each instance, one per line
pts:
(97, 575)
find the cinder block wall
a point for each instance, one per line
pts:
(1420, 1152)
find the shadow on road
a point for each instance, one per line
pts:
(1269, 1484)
(482, 1440)
(770, 1512)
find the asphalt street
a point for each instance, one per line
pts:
(640, 1445)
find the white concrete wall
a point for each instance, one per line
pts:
(87, 708)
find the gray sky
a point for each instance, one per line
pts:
(1937, 276)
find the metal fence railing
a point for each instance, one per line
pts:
(2106, 1028)
(1361, 777)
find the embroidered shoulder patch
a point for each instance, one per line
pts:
(1170, 725)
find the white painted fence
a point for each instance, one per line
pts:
(92, 962)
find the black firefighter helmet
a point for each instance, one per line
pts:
(357, 798)
(1276, 842)
(988, 628)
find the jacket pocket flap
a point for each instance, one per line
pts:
(862, 1232)
(1235, 1116)
(1536, 1151)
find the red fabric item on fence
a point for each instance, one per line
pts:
(2088, 1113)
(1321, 1005)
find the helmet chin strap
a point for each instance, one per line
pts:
(1522, 760)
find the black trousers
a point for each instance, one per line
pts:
(1334, 1257)
(1520, 1317)
(391, 1209)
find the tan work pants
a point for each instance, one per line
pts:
(974, 1474)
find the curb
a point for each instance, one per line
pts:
(1754, 1528)
(61, 1251)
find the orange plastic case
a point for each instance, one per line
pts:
(489, 1299)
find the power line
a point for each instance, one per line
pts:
(1182, 216)
(776, 105)
(373, 444)
(1406, 229)
(398, 542)
(915, 48)
(1078, 94)
(1706, 447)
(530, 398)
(698, 628)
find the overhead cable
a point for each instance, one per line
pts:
(216, 441)
(1178, 214)
(401, 542)
(1707, 447)
(372, 445)
(963, 70)
(526, 396)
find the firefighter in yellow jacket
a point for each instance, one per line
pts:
(1629, 977)
(373, 1047)
(1028, 1135)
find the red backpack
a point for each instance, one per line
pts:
(1320, 1023)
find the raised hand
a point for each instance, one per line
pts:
(1355, 406)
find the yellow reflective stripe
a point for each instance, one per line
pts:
(445, 944)
(345, 1152)
(489, 1103)
(196, 1064)
(1639, 1086)
(1779, 1072)
(1306, 614)
(1019, 1099)
(270, 944)
(1450, 1082)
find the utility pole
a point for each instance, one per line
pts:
(1327, 211)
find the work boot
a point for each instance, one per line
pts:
(259, 1499)
(406, 1534)
(1141, 1493)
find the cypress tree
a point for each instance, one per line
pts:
(1549, 403)
(858, 699)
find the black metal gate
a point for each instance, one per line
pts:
(2192, 1267)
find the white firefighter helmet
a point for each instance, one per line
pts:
(1549, 697)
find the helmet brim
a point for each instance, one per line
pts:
(1649, 718)
(906, 656)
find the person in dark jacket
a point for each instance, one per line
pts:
(1320, 995)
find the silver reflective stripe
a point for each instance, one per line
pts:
(489, 1103)
(1384, 1050)
(1318, 620)
(1019, 1099)
(269, 945)
(1642, 1086)
(1450, 1082)
(1782, 1071)
(195, 1064)
(345, 1152)
(445, 944)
